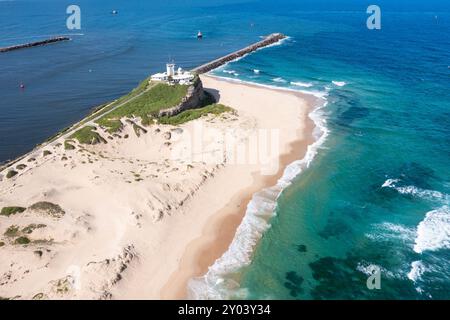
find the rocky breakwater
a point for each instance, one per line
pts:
(193, 99)
(269, 40)
(34, 44)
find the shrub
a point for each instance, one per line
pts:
(88, 135)
(30, 228)
(193, 114)
(68, 146)
(11, 173)
(22, 240)
(7, 211)
(49, 208)
(12, 231)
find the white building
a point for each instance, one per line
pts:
(172, 77)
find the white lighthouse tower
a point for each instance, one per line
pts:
(170, 69)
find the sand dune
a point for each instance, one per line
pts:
(138, 216)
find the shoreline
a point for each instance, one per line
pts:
(220, 230)
(135, 211)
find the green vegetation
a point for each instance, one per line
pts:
(46, 153)
(144, 85)
(30, 228)
(22, 240)
(68, 145)
(11, 173)
(193, 114)
(63, 286)
(39, 296)
(138, 129)
(1, 245)
(111, 125)
(88, 135)
(12, 231)
(48, 208)
(146, 120)
(21, 166)
(159, 96)
(7, 211)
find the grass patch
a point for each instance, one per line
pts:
(22, 240)
(68, 146)
(21, 166)
(146, 120)
(49, 208)
(193, 114)
(111, 125)
(46, 153)
(12, 231)
(8, 211)
(11, 173)
(1, 245)
(160, 96)
(88, 135)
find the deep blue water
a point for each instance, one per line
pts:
(377, 193)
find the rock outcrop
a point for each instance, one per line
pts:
(193, 99)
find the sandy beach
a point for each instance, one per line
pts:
(138, 217)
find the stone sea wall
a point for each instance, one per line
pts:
(34, 44)
(270, 39)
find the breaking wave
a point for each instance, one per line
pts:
(387, 230)
(339, 83)
(433, 232)
(417, 270)
(279, 80)
(302, 84)
(414, 191)
(217, 283)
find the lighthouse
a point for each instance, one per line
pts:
(170, 69)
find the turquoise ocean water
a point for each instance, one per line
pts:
(376, 194)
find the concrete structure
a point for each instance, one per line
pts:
(174, 77)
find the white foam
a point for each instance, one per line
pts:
(388, 230)
(278, 43)
(279, 80)
(215, 284)
(414, 191)
(256, 71)
(417, 270)
(302, 84)
(228, 71)
(318, 94)
(369, 269)
(433, 233)
(339, 83)
(390, 183)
